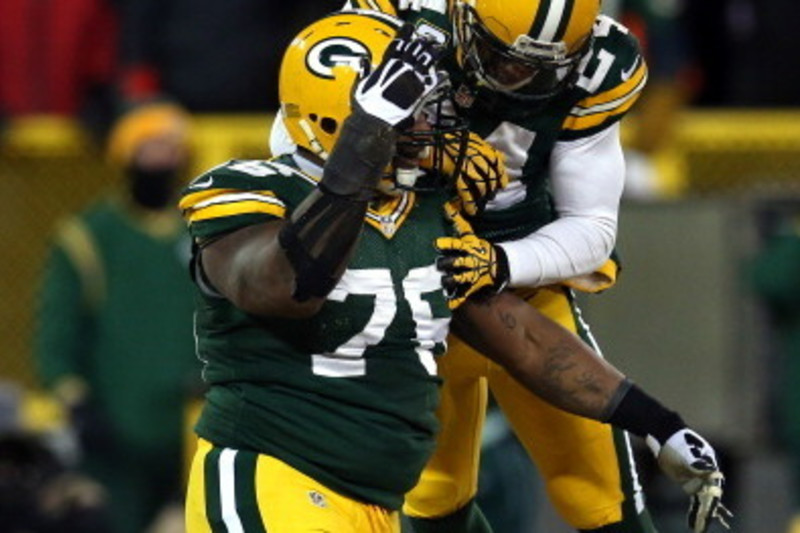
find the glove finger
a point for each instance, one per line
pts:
(476, 177)
(453, 292)
(692, 516)
(442, 245)
(704, 464)
(723, 515)
(471, 181)
(451, 209)
(451, 286)
(471, 208)
(463, 269)
(454, 303)
(701, 513)
(706, 505)
(445, 263)
(401, 39)
(504, 178)
(469, 262)
(462, 227)
(430, 52)
(472, 194)
(499, 177)
(450, 246)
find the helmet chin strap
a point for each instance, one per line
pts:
(403, 179)
(316, 146)
(407, 177)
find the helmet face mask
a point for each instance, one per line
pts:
(319, 70)
(425, 147)
(516, 65)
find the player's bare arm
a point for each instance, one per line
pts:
(543, 356)
(250, 269)
(555, 364)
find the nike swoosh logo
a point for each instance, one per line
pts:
(204, 184)
(626, 74)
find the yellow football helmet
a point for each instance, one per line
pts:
(526, 49)
(319, 69)
(318, 72)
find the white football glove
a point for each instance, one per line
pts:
(689, 459)
(397, 89)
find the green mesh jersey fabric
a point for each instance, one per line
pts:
(348, 396)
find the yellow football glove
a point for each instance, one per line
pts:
(468, 263)
(483, 172)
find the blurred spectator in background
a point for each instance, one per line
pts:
(758, 64)
(39, 492)
(775, 277)
(716, 51)
(210, 56)
(114, 340)
(745, 51)
(58, 57)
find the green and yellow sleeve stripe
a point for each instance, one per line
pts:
(222, 203)
(607, 106)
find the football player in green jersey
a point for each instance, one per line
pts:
(545, 83)
(321, 312)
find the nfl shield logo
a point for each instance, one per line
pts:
(317, 499)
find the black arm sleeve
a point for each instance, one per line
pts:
(323, 231)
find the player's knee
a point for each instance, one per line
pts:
(433, 498)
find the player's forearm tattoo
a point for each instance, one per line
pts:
(565, 371)
(507, 319)
(564, 375)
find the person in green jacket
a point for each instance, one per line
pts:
(773, 272)
(114, 339)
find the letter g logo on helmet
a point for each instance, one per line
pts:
(337, 51)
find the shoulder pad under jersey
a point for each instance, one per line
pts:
(241, 193)
(610, 79)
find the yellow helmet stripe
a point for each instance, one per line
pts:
(539, 21)
(551, 20)
(566, 17)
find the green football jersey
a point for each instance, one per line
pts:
(609, 80)
(347, 396)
